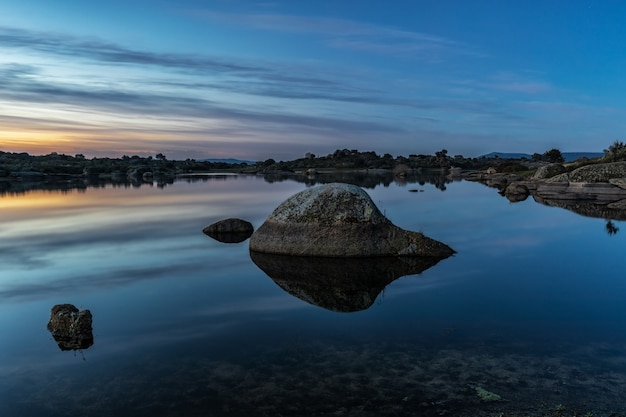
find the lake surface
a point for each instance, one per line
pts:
(531, 308)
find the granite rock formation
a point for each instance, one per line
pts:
(338, 220)
(594, 173)
(548, 171)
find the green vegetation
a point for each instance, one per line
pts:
(23, 167)
(616, 152)
(54, 164)
(553, 156)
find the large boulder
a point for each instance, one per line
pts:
(338, 220)
(548, 171)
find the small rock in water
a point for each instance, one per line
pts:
(229, 230)
(71, 328)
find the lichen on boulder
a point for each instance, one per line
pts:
(548, 171)
(338, 220)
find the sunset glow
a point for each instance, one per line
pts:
(254, 80)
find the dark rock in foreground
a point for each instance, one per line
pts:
(338, 284)
(338, 220)
(229, 230)
(70, 327)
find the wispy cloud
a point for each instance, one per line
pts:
(95, 49)
(348, 34)
(516, 83)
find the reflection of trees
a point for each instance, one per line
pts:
(610, 227)
(368, 178)
(64, 183)
(364, 178)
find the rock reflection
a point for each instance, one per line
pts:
(338, 284)
(71, 328)
(588, 206)
(611, 228)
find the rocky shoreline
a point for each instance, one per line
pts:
(596, 190)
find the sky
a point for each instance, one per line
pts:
(277, 79)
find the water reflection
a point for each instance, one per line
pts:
(610, 227)
(363, 178)
(71, 328)
(338, 284)
(602, 209)
(369, 178)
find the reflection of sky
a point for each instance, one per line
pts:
(85, 235)
(138, 260)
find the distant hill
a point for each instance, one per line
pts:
(228, 161)
(572, 156)
(505, 155)
(568, 156)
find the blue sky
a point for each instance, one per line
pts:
(261, 79)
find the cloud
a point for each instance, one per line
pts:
(187, 105)
(98, 50)
(349, 34)
(20, 86)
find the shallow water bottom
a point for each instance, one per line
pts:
(302, 377)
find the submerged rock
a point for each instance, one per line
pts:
(229, 230)
(487, 396)
(71, 328)
(338, 220)
(338, 284)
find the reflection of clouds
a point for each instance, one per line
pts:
(52, 243)
(24, 257)
(105, 279)
(43, 253)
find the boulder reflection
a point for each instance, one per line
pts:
(71, 328)
(338, 284)
(606, 208)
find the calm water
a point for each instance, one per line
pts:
(531, 308)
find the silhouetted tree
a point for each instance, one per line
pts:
(615, 150)
(554, 155)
